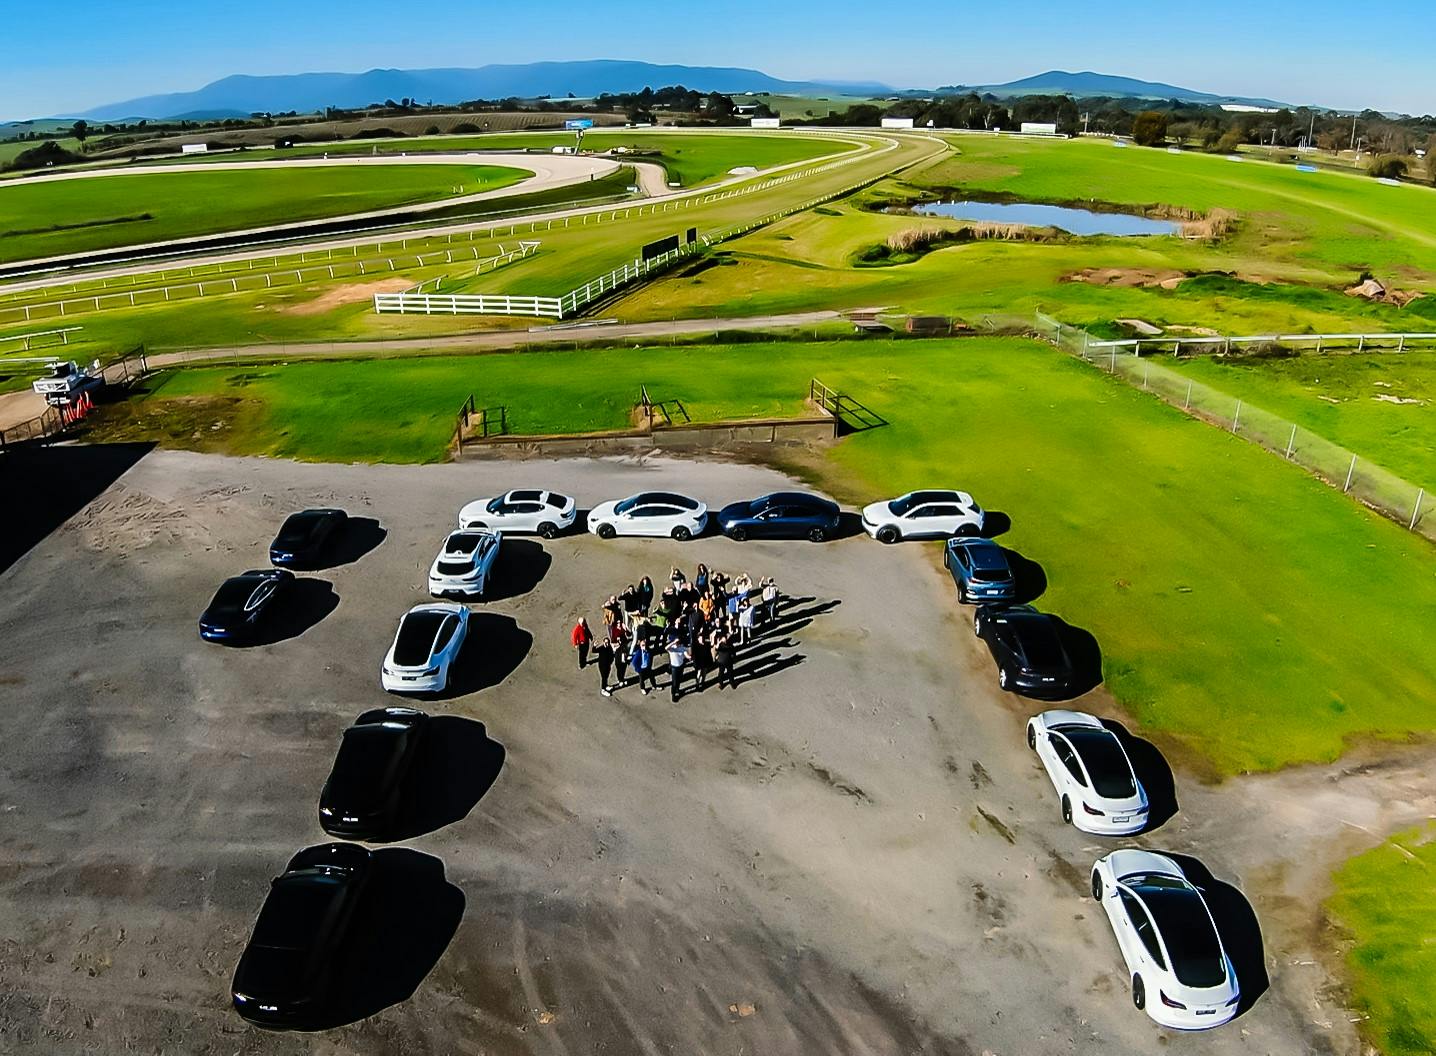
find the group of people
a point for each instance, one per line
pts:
(696, 626)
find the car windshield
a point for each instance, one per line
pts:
(902, 505)
(295, 911)
(233, 594)
(455, 568)
(629, 503)
(300, 526)
(461, 543)
(416, 637)
(991, 575)
(1186, 929)
(365, 766)
(494, 505)
(558, 502)
(1104, 759)
(1040, 644)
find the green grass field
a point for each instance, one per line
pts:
(10, 149)
(1201, 564)
(1300, 239)
(1381, 406)
(692, 157)
(49, 218)
(1386, 900)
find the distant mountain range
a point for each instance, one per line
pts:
(242, 95)
(1087, 83)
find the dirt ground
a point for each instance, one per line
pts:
(354, 293)
(854, 852)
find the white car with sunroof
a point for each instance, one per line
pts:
(465, 563)
(650, 513)
(924, 515)
(1180, 972)
(1091, 772)
(527, 511)
(425, 647)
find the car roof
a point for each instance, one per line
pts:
(794, 498)
(295, 912)
(414, 643)
(663, 498)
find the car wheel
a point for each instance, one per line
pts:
(547, 530)
(1067, 810)
(977, 624)
(1139, 992)
(682, 534)
(887, 534)
(817, 535)
(1002, 677)
(1096, 886)
(738, 535)
(1032, 738)
(606, 531)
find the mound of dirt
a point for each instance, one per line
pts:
(1167, 280)
(342, 295)
(1375, 290)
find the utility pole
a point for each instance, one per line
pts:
(1311, 134)
(1085, 119)
(1353, 131)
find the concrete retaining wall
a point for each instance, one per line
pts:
(705, 437)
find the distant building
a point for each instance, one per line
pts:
(765, 122)
(897, 122)
(1038, 128)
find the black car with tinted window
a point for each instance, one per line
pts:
(305, 537)
(286, 974)
(1027, 647)
(363, 799)
(781, 515)
(242, 604)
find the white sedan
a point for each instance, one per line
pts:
(425, 648)
(544, 513)
(656, 513)
(1091, 772)
(1181, 974)
(465, 563)
(923, 515)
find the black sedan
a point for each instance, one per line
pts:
(242, 604)
(781, 515)
(364, 795)
(980, 569)
(1028, 649)
(286, 973)
(304, 537)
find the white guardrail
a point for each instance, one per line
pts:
(569, 303)
(1174, 343)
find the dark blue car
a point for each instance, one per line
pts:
(304, 537)
(979, 568)
(781, 515)
(240, 605)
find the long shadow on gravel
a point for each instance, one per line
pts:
(358, 536)
(1238, 926)
(455, 766)
(404, 922)
(521, 566)
(1152, 771)
(46, 486)
(493, 650)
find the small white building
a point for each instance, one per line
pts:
(765, 122)
(897, 122)
(194, 148)
(1039, 128)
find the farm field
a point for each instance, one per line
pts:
(692, 157)
(49, 218)
(1299, 240)
(1380, 406)
(12, 148)
(1385, 901)
(1180, 643)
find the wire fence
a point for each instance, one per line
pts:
(1374, 486)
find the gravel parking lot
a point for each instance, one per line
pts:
(854, 852)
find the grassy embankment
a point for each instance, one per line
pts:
(1203, 566)
(52, 217)
(1386, 901)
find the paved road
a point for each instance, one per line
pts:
(851, 853)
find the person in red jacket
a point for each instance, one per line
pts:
(581, 638)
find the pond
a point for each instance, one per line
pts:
(1073, 221)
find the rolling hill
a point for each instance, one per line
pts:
(1087, 83)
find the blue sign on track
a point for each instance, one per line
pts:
(577, 123)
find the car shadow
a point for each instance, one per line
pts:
(1028, 576)
(49, 485)
(849, 525)
(455, 765)
(521, 566)
(1154, 773)
(404, 922)
(1238, 926)
(995, 523)
(305, 604)
(493, 650)
(1085, 654)
(358, 536)
(579, 525)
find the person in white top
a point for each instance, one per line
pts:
(745, 622)
(770, 600)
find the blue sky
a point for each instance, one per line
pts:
(68, 56)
